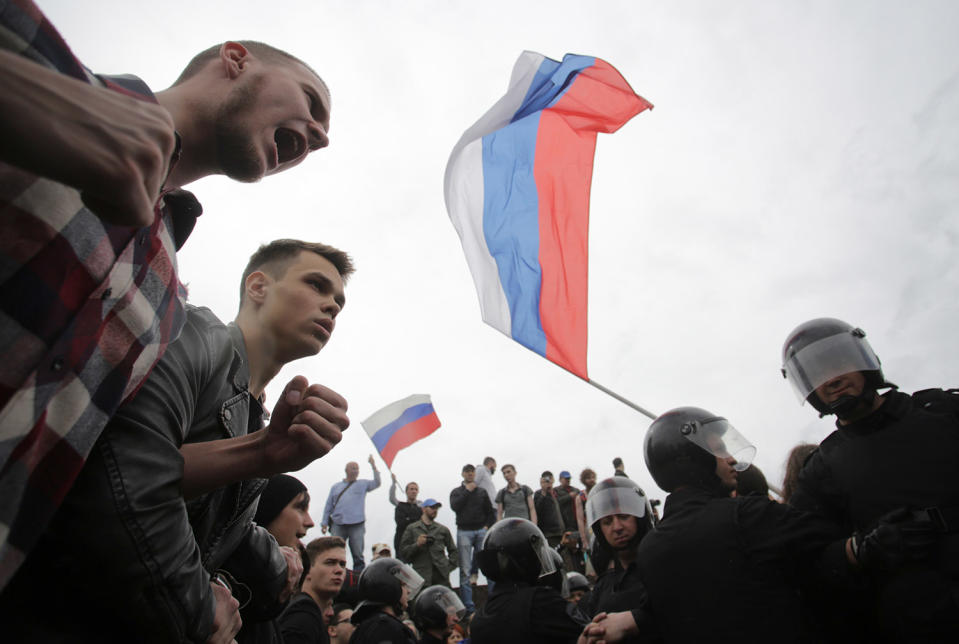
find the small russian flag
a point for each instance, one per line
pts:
(400, 424)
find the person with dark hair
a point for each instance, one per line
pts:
(549, 518)
(588, 478)
(891, 465)
(618, 468)
(521, 609)
(173, 482)
(428, 546)
(340, 628)
(284, 510)
(302, 621)
(92, 168)
(385, 589)
(404, 512)
(474, 514)
(516, 499)
(751, 481)
(794, 464)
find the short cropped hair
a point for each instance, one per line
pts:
(275, 258)
(545, 474)
(509, 465)
(488, 460)
(469, 468)
(321, 544)
(266, 53)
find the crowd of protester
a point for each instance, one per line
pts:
(145, 486)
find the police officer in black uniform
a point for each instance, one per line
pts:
(435, 611)
(384, 589)
(620, 516)
(893, 460)
(516, 556)
(718, 568)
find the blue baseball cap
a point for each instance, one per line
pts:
(565, 474)
(429, 503)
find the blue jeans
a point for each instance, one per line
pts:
(353, 534)
(468, 542)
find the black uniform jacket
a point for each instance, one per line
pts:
(727, 569)
(904, 454)
(520, 614)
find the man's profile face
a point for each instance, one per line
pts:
(274, 116)
(726, 473)
(848, 384)
(328, 572)
(492, 467)
(618, 529)
(299, 308)
(352, 471)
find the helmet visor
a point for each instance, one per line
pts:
(614, 500)
(544, 554)
(819, 362)
(409, 578)
(718, 437)
(451, 604)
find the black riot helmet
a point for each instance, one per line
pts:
(381, 584)
(682, 445)
(618, 495)
(825, 348)
(515, 550)
(577, 581)
(435, 605)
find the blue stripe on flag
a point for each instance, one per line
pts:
(551, 81)
(414, 413)
(511, 225)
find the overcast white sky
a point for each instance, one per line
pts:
(801, 161)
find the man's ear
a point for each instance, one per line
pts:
(234, 58)
(256, 287)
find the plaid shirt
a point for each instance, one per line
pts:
(86, 310)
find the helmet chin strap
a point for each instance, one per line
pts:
(844, 407)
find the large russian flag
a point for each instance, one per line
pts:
(517, 191)
(400, 424)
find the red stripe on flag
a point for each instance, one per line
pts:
(409, 434)
(599, 100)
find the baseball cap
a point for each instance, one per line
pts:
(428, 503)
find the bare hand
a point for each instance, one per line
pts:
(421, 540)
(372, 462)
(226, 619)
(611, 627)
(307, 422)
(393, 477)
(324, 529)
(294, 570)
(113, 148)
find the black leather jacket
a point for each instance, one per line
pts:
(125, 541)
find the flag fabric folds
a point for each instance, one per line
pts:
(400, 424)
(517, 191)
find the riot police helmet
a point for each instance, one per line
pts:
(515, 550)
(682, 446)
(437, 607)
(823, 349)
(618, 495)
(381, 583)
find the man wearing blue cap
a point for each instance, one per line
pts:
(428, 547)
(565, 496)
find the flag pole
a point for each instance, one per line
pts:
(629, 403)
